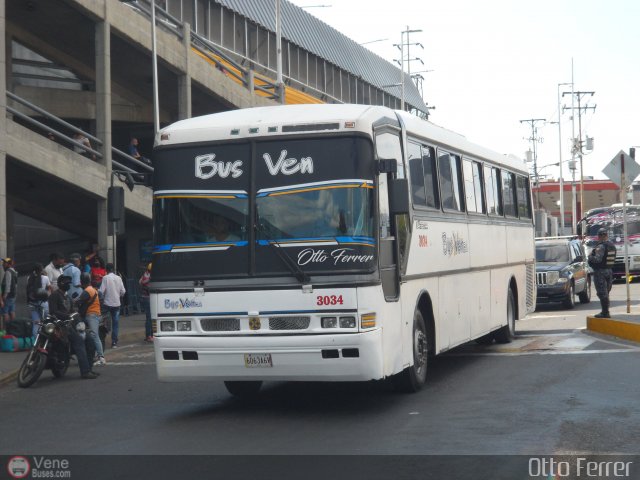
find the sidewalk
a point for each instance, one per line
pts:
(624, 325)
(131, 331)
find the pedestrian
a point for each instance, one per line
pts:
(97, 271)
(89, 307)
(54, 269)
(133, 151)
(146, 303)
(38, 284)
(9, 289)
(80, 138)
(72, 269)
(61, 307)
(602, 259)
(112, 290)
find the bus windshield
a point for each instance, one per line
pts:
(313, 198)
(320, 212)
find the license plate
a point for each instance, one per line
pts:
(258, 360)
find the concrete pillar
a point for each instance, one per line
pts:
(3, 131)
(184, 80)
(103, 121)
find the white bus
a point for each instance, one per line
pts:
(331, 243)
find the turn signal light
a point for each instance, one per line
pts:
(368, 320)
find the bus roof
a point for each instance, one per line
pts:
(317, 118)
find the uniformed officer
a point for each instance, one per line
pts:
(601, 259)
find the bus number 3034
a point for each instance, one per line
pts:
(329, 300)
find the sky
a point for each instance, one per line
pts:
(497, 62)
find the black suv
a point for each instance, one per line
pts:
(562, 271)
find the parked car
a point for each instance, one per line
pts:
(562, 271)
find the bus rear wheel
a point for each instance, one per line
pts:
(507, 333)
(243, 389)
(412, 378)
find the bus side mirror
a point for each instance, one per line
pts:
(399, 196)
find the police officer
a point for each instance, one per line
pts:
(601, 259)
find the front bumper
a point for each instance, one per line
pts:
(552, 293)
(294, 357)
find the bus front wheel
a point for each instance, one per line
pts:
(243, 389)
(412, 378)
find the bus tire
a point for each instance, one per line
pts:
(243, 389)
(412, 378)
(507, 333)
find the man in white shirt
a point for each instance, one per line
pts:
(112, 290)
(54, 269)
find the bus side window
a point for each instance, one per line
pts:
(416, 174)
(430, 176)
(524, 197)
(492, 189)
(450, 181)
(473, 186)
(388, 147)
(509, 194)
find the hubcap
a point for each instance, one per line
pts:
(420, 350)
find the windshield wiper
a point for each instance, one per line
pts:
(300, 274)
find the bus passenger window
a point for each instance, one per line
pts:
(418, 194)
(473, 186)
(524, 198)
(450, 183)
(508, 194)
(430, 177)
(492, 189)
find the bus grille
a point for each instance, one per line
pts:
(531, 287)
(289, 323)
(220, 324)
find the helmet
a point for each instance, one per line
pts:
(64, 283)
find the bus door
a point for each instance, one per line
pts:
(393, 208)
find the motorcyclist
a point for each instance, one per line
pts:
(60, 306)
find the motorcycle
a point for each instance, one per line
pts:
(51, 349)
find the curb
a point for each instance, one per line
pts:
(124, 337)
(616, 328)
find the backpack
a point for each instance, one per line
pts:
(84, 306)
(34, 282)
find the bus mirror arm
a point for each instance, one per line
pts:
(387, 165)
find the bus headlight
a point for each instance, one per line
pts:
(329, 322)
(167, 326)
(347, 322)
(368, 320)
(184, 325)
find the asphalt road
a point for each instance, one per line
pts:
(554, 391)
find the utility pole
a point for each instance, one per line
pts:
(534, 139)
(577, 147)
(408, 59)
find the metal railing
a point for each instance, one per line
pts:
(125, 161)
